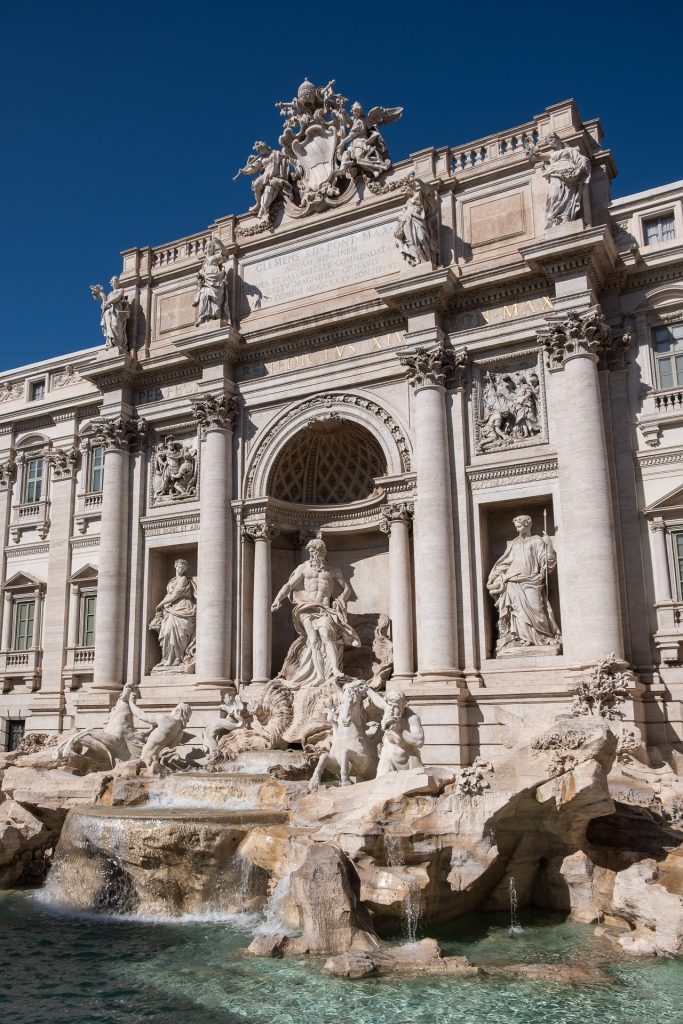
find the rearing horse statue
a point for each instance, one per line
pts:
(354, 739)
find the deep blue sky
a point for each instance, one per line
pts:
(123, 123)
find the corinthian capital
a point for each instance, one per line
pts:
(434, 367)
(214, 412)
(261, 531)
(118, 433)
(574, 334)
(64, 461)
(8, 470)
(399, 512)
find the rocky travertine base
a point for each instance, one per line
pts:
(336, 869)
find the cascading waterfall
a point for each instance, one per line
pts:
(412, 900)
(515, 927)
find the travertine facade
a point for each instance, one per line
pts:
(400, 359)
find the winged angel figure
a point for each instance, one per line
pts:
(321, 145)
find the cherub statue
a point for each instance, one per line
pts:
(272, 168)
(402, 733)
(364, 149)
(115, 314)
(237, 717)
(167, 731)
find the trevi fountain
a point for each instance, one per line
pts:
(341, 647)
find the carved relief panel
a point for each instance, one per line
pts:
(174, 470)
(508, 402)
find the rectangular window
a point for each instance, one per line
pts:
(15, 732)
(33, 487)
(677, 536)
(96, 469)
(659, 229)
(24, 617)
(88, 620)
(668, 345)
(36, 390)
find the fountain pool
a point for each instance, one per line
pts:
(58, 968)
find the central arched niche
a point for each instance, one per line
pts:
(331, 461)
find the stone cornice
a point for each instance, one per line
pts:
(590, 249)
(296, 337)
(110, 371)
(419, 290)
(503, 474)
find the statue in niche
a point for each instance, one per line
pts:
(415, 233)
(175, 621)
(511, 409)
(518, 582)
(567, 171)
(174, 471)
(272, 168)
(402, 733)
(321, 622)
(115, 314)
(211, 297)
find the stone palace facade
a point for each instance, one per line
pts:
(400, 360)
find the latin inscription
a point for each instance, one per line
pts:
(474, 318)
(332, 354)
(336, 263)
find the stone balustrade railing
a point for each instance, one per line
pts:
(494, 147)
(177, 252)
(669, 400)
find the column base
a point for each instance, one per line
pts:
(454, 676)
(216, 683)
(106, 687)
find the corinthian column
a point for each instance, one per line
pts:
(660, 562)
(116, 435)
(262, 535)
(435, 593)
(64, 463)
(591, 621)
(397, 524)
(214, 414)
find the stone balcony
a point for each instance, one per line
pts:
(33, 515)
(669, 636)
(79, 666)
(21, 667)
(88, 508)
(661, 408)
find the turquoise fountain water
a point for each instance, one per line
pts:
(59, 968)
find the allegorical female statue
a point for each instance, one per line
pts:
(115, 314)
(518, 583)
(415, 232)
(567, 170)
(175, 621)
(211, 297)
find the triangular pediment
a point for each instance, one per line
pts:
(670, 503)
(86, 574)
(23, 581)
